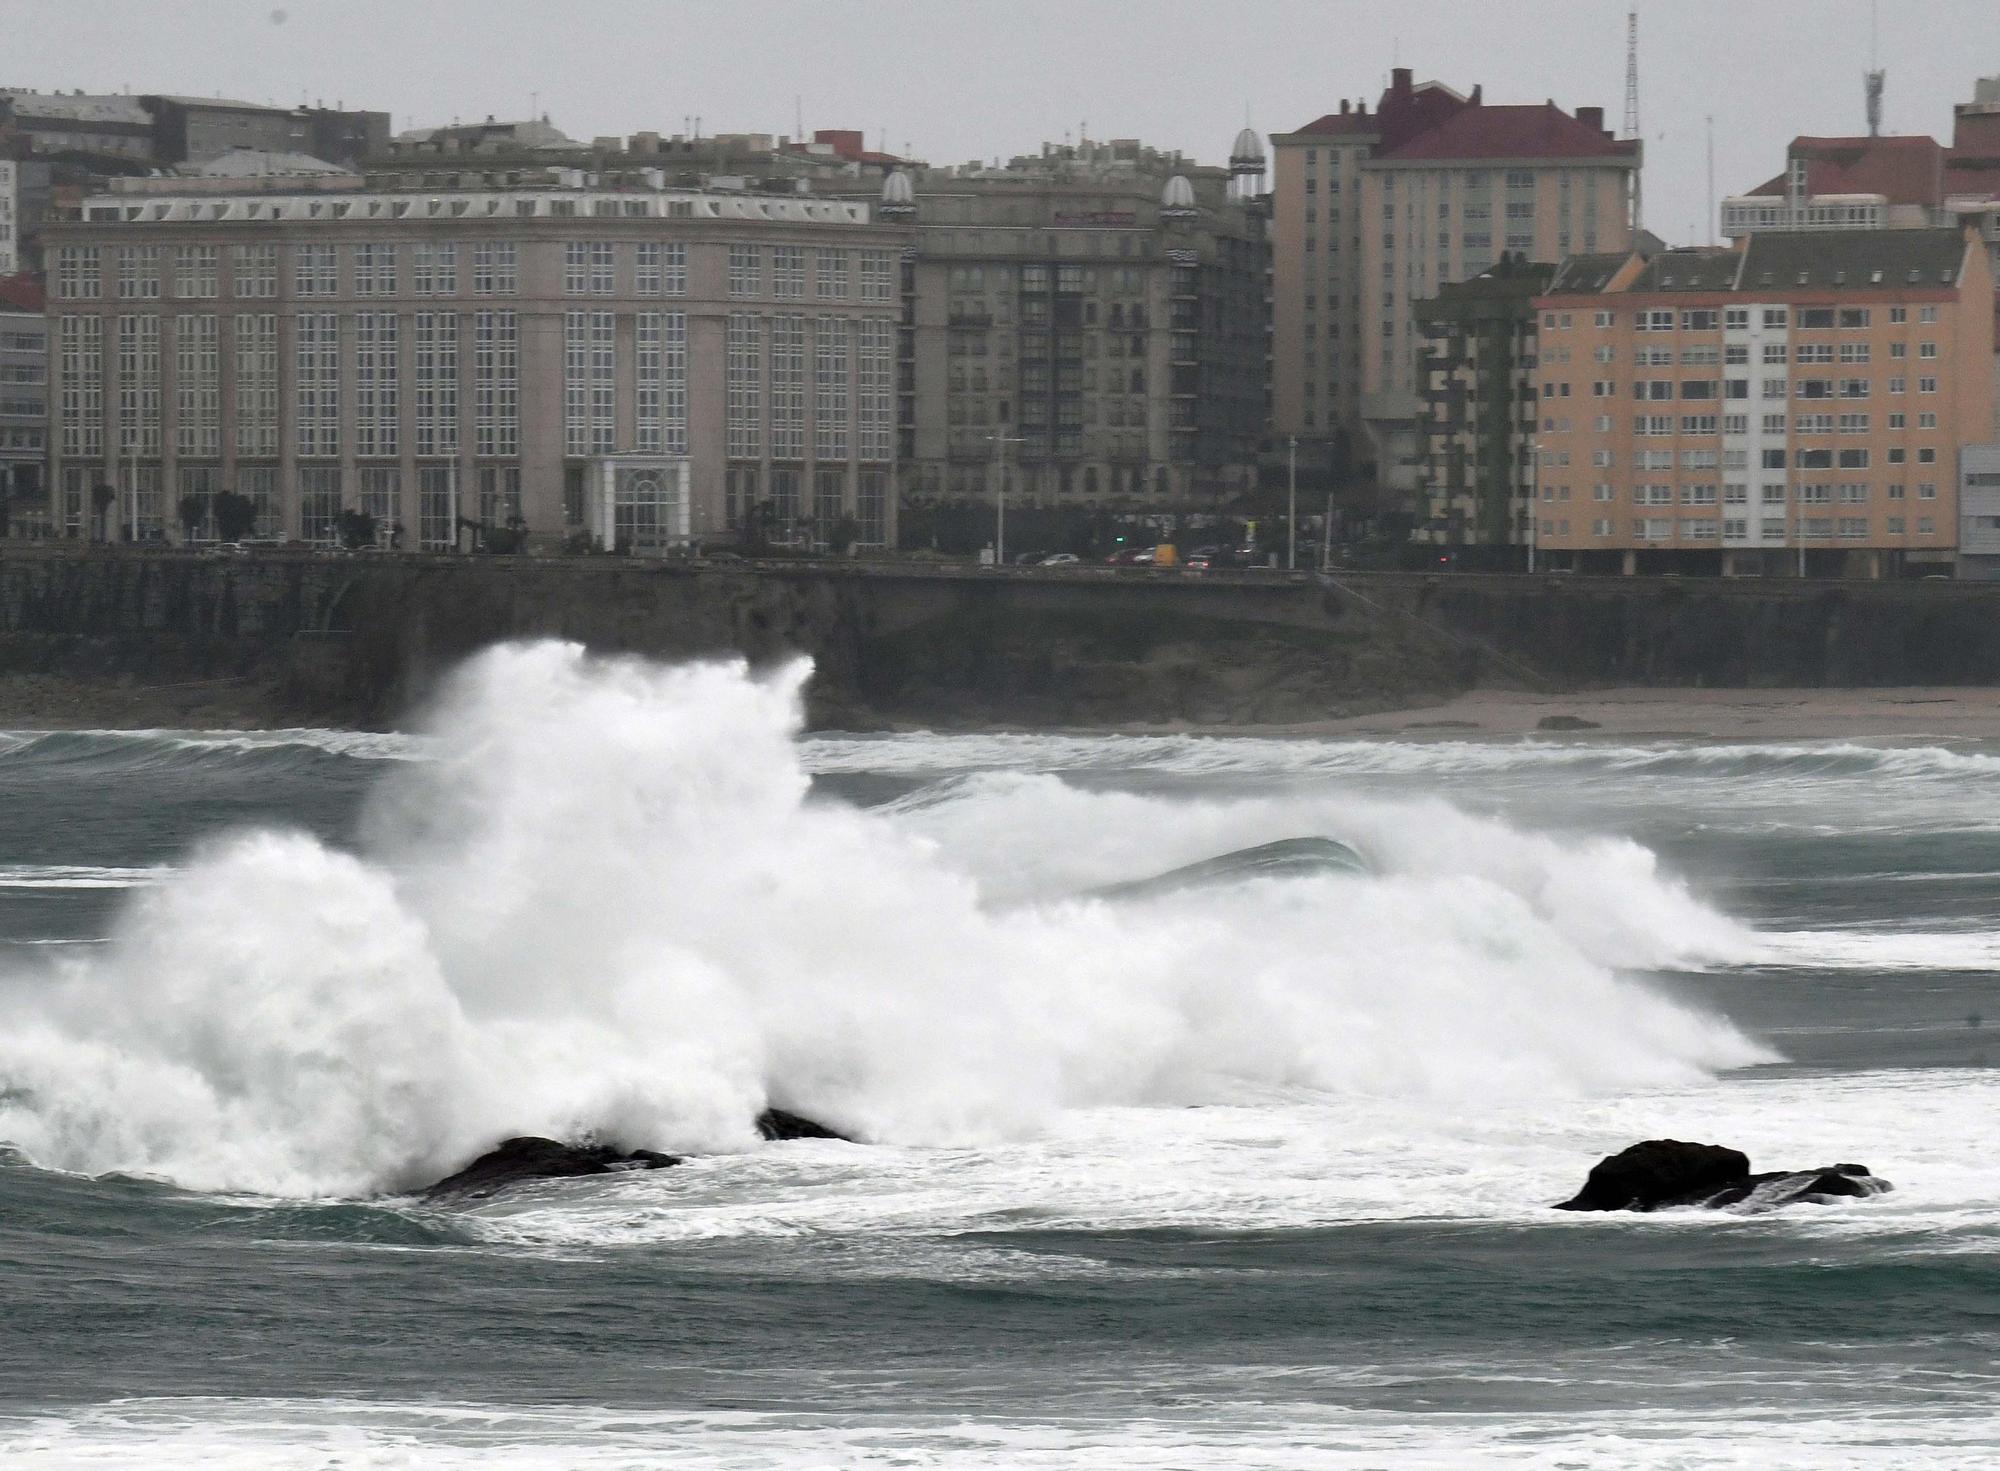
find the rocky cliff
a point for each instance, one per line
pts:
(124, 637)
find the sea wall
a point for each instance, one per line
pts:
(362, 640)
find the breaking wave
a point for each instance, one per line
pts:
(1212, 755)
(605, 905)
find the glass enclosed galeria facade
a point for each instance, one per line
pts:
(454, 358)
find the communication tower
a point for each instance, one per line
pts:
(1632, 112)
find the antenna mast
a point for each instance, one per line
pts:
(1873, 79)
(1711, 178)
(1632, 115)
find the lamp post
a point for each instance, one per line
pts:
(1292, 507)
(1534, 497)
(1798, 514)
(1000, 498)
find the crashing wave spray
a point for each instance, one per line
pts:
(606, 905)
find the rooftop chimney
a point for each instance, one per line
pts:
(1400, 81)
(1591, 117)
(1345, 107)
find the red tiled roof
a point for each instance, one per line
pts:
(23, 292)
(1974, 176)
(1405, 109)
(1343, 122)
(1906, 170)
(1539, 130)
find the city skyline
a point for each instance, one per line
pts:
(1013, 92)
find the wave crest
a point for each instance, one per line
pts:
(606, 906)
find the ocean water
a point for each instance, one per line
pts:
(1248, 1170)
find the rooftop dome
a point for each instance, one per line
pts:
(896, 189)
(1248, 149)
(1179, 193)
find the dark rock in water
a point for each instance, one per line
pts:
(1566, 722)
(1656, 1172)
(1779, 1187)
(514, 1161)
(778, 1123)
(1663, 1173)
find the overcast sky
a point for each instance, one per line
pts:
(958, 79)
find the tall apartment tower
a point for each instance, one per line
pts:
(1085, 326)
(1375, 211)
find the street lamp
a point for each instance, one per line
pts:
(1534, 497)
(1000, 501)
(1292, 509)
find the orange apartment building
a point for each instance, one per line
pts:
(1794, 406)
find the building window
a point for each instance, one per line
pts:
(256, 384)
(80, 350)
(829, 506)
(786, 507)
(435, 364)
(259, 484)
(496, 382)
(830, 275)
(746, 270)
(377, 397)
(1927, 385)
(315, 270)
(79, 273)
(876, 276)
(139, 386)
(660, 381)
(374, 270)
(788, 388)
(831, 338)
(589, 268)
(382, 499)
(317, 376)
(434, 269)
(253, 272)
(138, 272)
(196, 269)
(319, 504)
(788, 272)
(744, 386)
(496, 266)
(662, 269)
(739, 494)
(198, 385)
(499, 495)
(875, 415)
(197, 487)
(871, 507)
(437, 507)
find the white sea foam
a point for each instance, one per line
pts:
(1295, 1159)
(1777, 1433)
(605, 905)
(1881, 950)
(76, 876)
(359, 744)
(1215, 755)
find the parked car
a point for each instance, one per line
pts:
(1130, 556)
(1060, 559)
